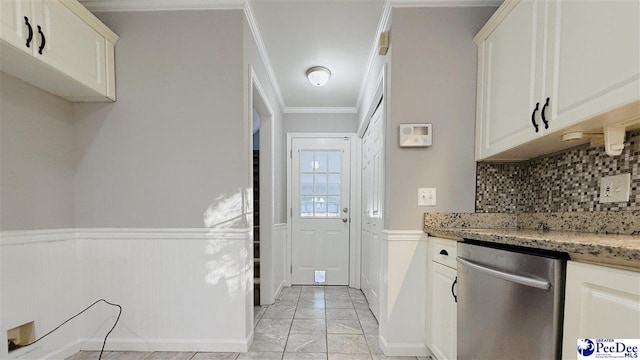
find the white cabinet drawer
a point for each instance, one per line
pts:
(444, 251)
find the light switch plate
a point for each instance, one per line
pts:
(615, 188)
(427, 197)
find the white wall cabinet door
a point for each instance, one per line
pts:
(600, 302)
(510, 67)
(443, 313)
(15, 20)
(70, 53)
(594, 62)
(71, 46)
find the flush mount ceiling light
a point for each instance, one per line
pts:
(318, 75)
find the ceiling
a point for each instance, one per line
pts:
(294, 35)
(335, 34)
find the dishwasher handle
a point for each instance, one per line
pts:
(523, 280)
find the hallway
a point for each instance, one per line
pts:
(306, 322)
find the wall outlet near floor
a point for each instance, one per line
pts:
(427, 197)
(615, 188)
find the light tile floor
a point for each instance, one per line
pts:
(305, 322)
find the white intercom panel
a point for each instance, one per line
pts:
(415, 135)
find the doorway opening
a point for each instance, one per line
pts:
(256, 206)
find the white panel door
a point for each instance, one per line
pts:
(510, 68)
(70, 45)
(595, 65)
(600, 302)
(15, 21)
(320, 220)
(372, 195)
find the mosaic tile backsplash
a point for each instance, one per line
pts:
(564, 182)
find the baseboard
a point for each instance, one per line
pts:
(198, 345)
(64, 352)
(403, 349)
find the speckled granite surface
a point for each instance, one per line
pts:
(608, 238)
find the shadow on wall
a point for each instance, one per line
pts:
(229, 222)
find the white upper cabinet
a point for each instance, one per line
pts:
(544, 66)
(594, 58)
(58, 46)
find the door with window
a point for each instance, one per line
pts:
(320, 214)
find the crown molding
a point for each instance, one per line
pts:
(262, 50)
(161, 5)
(320, 110)
(385, 17)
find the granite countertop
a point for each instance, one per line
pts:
(619, 249)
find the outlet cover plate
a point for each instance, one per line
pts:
(615, 188)
(427, 197)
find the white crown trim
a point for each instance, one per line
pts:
(253, 25)
(382, 25)
(320, 110)
(161, 5)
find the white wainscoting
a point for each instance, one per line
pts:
(180, 289)
(39, 282)
(403, 295)
(280, 257)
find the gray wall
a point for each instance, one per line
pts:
(321, 123)
(172, 143)
(36, 158)
(433, 75)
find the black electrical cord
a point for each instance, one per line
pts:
(78, 314)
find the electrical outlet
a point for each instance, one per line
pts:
(615, 188)
(427, 197)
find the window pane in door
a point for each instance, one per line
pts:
(306, 184)
(333, 206)
(307, 206)
(334, 161)
(321, 161)
(320, 184)
(320, 203)
(306, 161)
(334, 184)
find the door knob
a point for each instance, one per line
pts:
(344, 220)
(345, 209)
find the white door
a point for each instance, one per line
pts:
(372, 146)
(320, 214)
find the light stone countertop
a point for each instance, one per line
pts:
(607, 249)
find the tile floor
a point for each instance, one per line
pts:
(305, 322)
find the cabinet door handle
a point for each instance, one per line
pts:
(533, 117)
(43, 40)
(542, 115)
(30, 36)
(444, 252)
(455, 298)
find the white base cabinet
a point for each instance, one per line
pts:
(442, 308)
(600, 302)
(58, 46)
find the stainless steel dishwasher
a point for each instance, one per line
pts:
(510, 302)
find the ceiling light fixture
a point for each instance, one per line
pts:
(318, 75)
